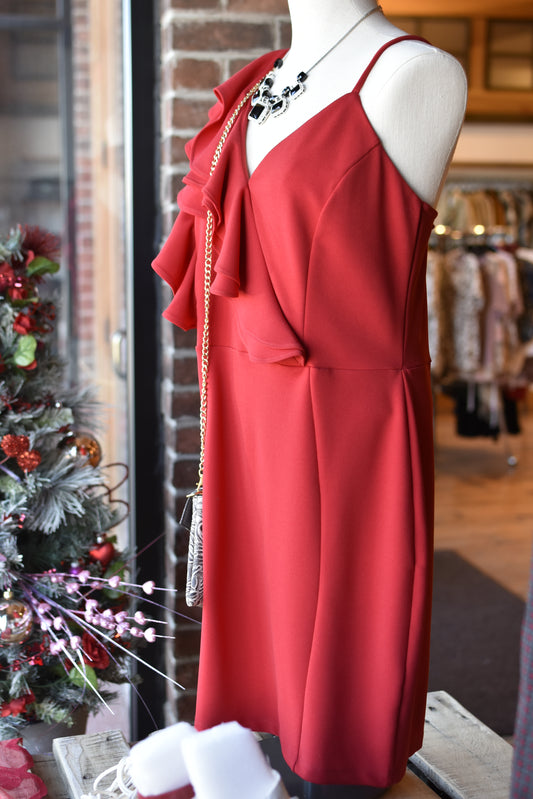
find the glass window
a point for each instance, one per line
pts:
(62, 169)
(30, 160)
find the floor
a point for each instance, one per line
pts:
(484, 507)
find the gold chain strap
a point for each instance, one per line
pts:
(208, 268)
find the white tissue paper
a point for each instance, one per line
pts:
(226, 762)
(156, 763)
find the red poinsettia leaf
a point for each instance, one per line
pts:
(22, 324)
(40, 241)
(94, 653)
(16, 780)
(14, 756)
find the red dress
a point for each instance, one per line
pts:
(318, 509)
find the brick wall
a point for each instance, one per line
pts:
(203, 42)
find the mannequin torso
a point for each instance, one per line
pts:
(414, 97)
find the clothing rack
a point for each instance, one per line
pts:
(480, 304)
(503, 210)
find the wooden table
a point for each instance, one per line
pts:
(461, 759)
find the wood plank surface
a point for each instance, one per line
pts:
(461, 756)
(81, 758)
(411, 787)
(45, 767)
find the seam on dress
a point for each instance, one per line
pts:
(407, 368)
(317, 603)
(410, 284)
(411, 620)
(318, 225)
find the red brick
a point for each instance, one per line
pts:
(192, 73)
(173, 150)
(181, 542)
(187, 641)
(272, 6)
(185, 473)
(181, 575)
(185, 403)
(191, 613)
(188, 440)
(184, 338)
(236, 64)
(186, 371)
(167, 5)
(186, 113)
(221, 36)
(186, 707)
(188, 675)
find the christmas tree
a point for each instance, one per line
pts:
(67, 625)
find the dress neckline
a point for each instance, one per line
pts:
(353, 93)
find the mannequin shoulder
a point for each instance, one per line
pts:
(420, 70)
(415, 98)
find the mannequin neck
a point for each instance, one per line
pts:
(318, 24)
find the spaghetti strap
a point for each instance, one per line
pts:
(377, 55)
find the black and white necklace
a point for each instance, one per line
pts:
(266, 105)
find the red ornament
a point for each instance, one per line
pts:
(14, 445)
(23, 324)
(103, 553)
(7, 276)
(28, 461)
(17, 706)
(18, 291)
(30, 367)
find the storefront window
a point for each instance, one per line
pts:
(62, 169)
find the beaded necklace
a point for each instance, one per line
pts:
(266, 105)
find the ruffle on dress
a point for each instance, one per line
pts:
(240, 272)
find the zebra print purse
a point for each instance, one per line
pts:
(191, 520)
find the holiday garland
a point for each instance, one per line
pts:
(67, 625)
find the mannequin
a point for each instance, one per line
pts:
(414, 97)
(319, 370)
